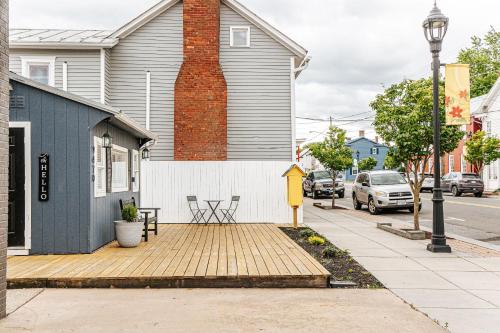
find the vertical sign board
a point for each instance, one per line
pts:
(457, 94)
(43, 177)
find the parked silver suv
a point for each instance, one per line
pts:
(382, 190)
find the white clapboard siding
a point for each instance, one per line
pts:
(166, 184)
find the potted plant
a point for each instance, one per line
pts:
(129, 230)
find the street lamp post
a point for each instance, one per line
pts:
(435, 27)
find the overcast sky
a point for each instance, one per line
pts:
(357, 46)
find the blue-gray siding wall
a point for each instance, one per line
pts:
(105, 210)
(60, 128)
(364, 147)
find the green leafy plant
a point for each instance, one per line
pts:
(483, 56)
(329, 252)
(482, 150)
(306, 233)
(129, 213)
(367, 164)
(316, 240)
(333, 154)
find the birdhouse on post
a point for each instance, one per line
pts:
(294, 176)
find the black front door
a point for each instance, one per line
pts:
(16, 187)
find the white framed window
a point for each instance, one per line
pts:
(488, 127)
(463, 163)
(135, 170)
(119, 169)
(239, 36)
(451, 163)
(374, 151)
(40, 69)
(99, 168)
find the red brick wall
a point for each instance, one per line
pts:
(200, 102)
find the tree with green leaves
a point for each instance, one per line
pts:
(333, 154)
(483, 56)
(367, 164)
(404, 118)
(482, 150)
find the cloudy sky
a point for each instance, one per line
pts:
(357, 46)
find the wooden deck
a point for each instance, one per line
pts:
(242, 255)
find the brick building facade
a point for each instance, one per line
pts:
(4, 130)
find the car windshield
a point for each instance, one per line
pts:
(387, 179)
(322, 175)
(470, 176)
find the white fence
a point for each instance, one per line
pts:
(260, 185)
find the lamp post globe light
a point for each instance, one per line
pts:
(435, 27)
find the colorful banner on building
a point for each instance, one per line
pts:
(457, 94)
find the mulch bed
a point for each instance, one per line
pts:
(342, 266)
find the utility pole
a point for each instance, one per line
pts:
(331, 121)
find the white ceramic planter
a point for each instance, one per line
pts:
(128, 234)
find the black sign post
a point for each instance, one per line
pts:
(43, 177)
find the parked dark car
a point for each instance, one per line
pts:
(458, 183)
(320, 183)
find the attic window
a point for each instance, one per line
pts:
(239, 37)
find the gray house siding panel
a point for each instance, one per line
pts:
(157, 47)
(83, 69)
(60, 128)
(107, 82)
(106, 209)
(259, 94)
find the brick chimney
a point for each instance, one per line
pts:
(200, 100)
(361, 133)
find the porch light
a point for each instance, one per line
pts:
(146, 154)
(107, 140)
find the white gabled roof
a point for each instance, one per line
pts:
(53, 38)
(60, 38)
(160, 7)
(490, 97)
(118, 118)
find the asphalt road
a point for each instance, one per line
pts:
(468, 216)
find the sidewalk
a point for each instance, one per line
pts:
(211, 310)
(460, 290)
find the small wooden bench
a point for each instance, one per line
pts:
(146, 212)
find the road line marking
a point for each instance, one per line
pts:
(454, 219)
(467, 204)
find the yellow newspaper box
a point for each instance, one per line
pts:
(294, 176)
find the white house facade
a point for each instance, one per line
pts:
(489, 112)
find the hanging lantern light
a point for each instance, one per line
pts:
(107, 140)
(146, 154)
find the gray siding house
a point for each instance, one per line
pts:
(135, 68)
(63, 191)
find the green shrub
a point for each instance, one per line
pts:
(129, 213)
(329, 252)
(315, 240)
(306, 233)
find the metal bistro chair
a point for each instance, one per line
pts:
(198, 214)
(228, 214)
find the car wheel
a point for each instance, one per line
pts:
(357, 205)
(478, 194)
(372, 208)
(314, 194)
(411, 209)
(304, 192)
(341, 195)
(455, 191)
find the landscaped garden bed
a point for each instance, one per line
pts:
(338, 262)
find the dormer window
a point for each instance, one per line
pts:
(239, 37)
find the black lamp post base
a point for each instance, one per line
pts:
(439, 248)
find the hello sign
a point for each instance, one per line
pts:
(43, 177)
